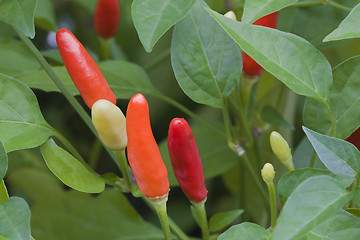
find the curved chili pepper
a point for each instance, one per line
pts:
(185, 160)
(106, 18)
(82, 69)
(250, 66)
(143, 152)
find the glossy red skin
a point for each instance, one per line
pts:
(185, 160)
(354, 138)
(143, 152)
(106, 18)
(82, 69)
(250, 66)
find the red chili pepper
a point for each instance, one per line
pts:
(106, 18)
(354, 138)
(143, 152)
(82, 69)
(250, 66)
(185, 160)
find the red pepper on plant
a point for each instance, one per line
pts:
(354, 138)
(250, 66)
(143, 152)
(82, 69)
(106, 18)
(185, 160)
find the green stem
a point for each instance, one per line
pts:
(332, 118)
(201, 212)
(188, 112)
(273, 209)
(312, 161)
(94, 153)
(157, 60)
(339, 6)
(105, 48)
(160, 207)
(308, 4)
(124, 167)
(228, 125)
(3, 192)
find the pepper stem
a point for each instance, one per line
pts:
(203, 223)
(160, 206)
(124, 167)
(105, 48)
(273, 210)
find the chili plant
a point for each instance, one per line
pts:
(264, 100)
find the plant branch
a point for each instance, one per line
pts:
(157, 60)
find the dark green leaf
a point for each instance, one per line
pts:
(152, 18)
(15, 219)
(245, 231)
(270, 115)
(3, 161)
(45, 15)
(339, 156)
(316, 199)
(289, 182)
(254, 10)
(69, 170)
(291, 59)
(221, 220)
(344, 101)
(21, 122)
(354, 211)
(19, 14)
(348, 28)
(206, 62)
(216, 156)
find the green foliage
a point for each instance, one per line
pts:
(245, 231)
(223, 219)
(3, 161)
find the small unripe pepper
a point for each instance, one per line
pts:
(110, 124)
(185, 160)
(231, 15)
(250, 66)
(106, 18)
(268, 173)
(143, 152)
(281, 150)
(82, 69)
(354, 138)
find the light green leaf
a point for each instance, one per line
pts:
(69, 170)
(152, 18)
(223, 219)
(205, 70)
(76, 215)
(245, 231)
(19, 14)
(291, 59)
(214, 151)
(348, 28)
(3, 161)
(289, 182)
(254, 10)
(3, 192)
(45, 15)
(316, 199)
(271, 115)
(339, 156)
(21, 122)
(15, 219)
(344, 101)
(339, 227)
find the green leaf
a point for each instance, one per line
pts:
(125, 79)
(21, 122)
(77, 215)
(221, 220)
(339, 227)
(339, 156)
(205, 70)
(289, 182)
(344, 101)
(15, 219)
(354, 211)
(254, 10)
(245, 231)
(69, 170)
(311, 203)
(212, 149)
(270, 115)
(19, 14)
(45, 15)
(3, 192)
(3, 161)
(152, 18)
(291, 59)
(348, 28)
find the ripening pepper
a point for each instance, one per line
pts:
(106, 18)
(143, 152)
(185, 160)
(82, 69)
(354, 138)
(110, 123)
(250, 66)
